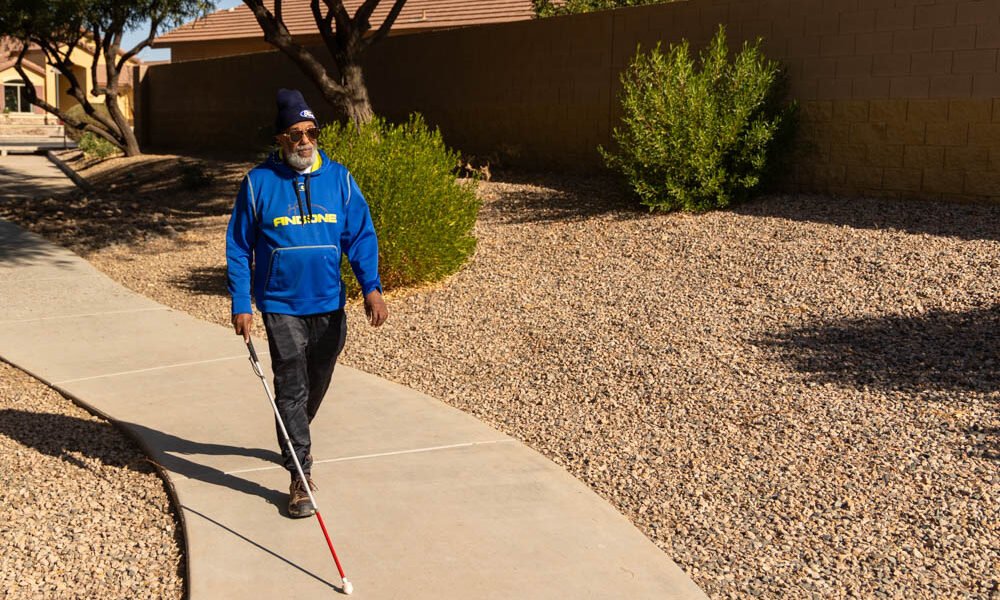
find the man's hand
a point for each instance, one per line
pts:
(375, 308)
(242, 324)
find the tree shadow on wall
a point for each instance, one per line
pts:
(963, 221)
(937, 351)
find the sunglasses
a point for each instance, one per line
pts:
(295, 135)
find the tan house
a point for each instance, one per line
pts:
(235, 31)
(51, 86)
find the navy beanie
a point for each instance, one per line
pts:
(292, 108)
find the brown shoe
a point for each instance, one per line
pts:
(299, 505)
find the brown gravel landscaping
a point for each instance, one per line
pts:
(82, 513)
(797, 398)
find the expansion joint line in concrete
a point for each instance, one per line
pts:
(84, 315)
(159, 368)
(378, 455)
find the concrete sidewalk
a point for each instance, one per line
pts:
(26, 176)
(422, 500)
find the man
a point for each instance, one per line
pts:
(294, 216)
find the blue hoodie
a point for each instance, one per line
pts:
(296, 227)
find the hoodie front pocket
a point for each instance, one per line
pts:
(303, 272)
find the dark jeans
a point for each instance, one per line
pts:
(304, 352)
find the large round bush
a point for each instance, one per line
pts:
(423, 216)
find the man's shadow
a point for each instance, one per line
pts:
(164, 449)
(64, 437)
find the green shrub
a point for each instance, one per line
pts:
(422, 214)
(94, 146)
(698, 137)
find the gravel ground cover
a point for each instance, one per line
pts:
(797, 398)
(82, 514)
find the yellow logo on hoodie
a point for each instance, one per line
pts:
(299, 220)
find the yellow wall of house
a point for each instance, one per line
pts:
(11, 74)
(56, 87)
(53, 88)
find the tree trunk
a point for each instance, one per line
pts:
(129, 145)
(355, 103)
(114, 130)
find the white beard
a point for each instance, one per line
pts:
(300, 163)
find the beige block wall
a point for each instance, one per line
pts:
(899, 97)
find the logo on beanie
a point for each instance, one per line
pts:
(307, 114)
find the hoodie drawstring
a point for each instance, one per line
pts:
(298, 199)
(309, 205)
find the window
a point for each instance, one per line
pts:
(15, 97)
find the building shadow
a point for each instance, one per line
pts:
(65, 437)
(972, 221)
(938, 351)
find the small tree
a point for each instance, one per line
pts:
(551, 8)
(61, 28)
(345, 37)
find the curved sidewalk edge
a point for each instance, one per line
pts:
(422, 500)
(73, 175)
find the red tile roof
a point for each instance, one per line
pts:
(239, 22)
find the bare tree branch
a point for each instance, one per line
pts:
(342, 19)
(362, 16)
(277, 34)
(63, 116)
(390, 19)
(93, 64)
(64, 65)
(345, 38)
(154, 26)
(324, 23)
(64, 28)
(272, 27)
